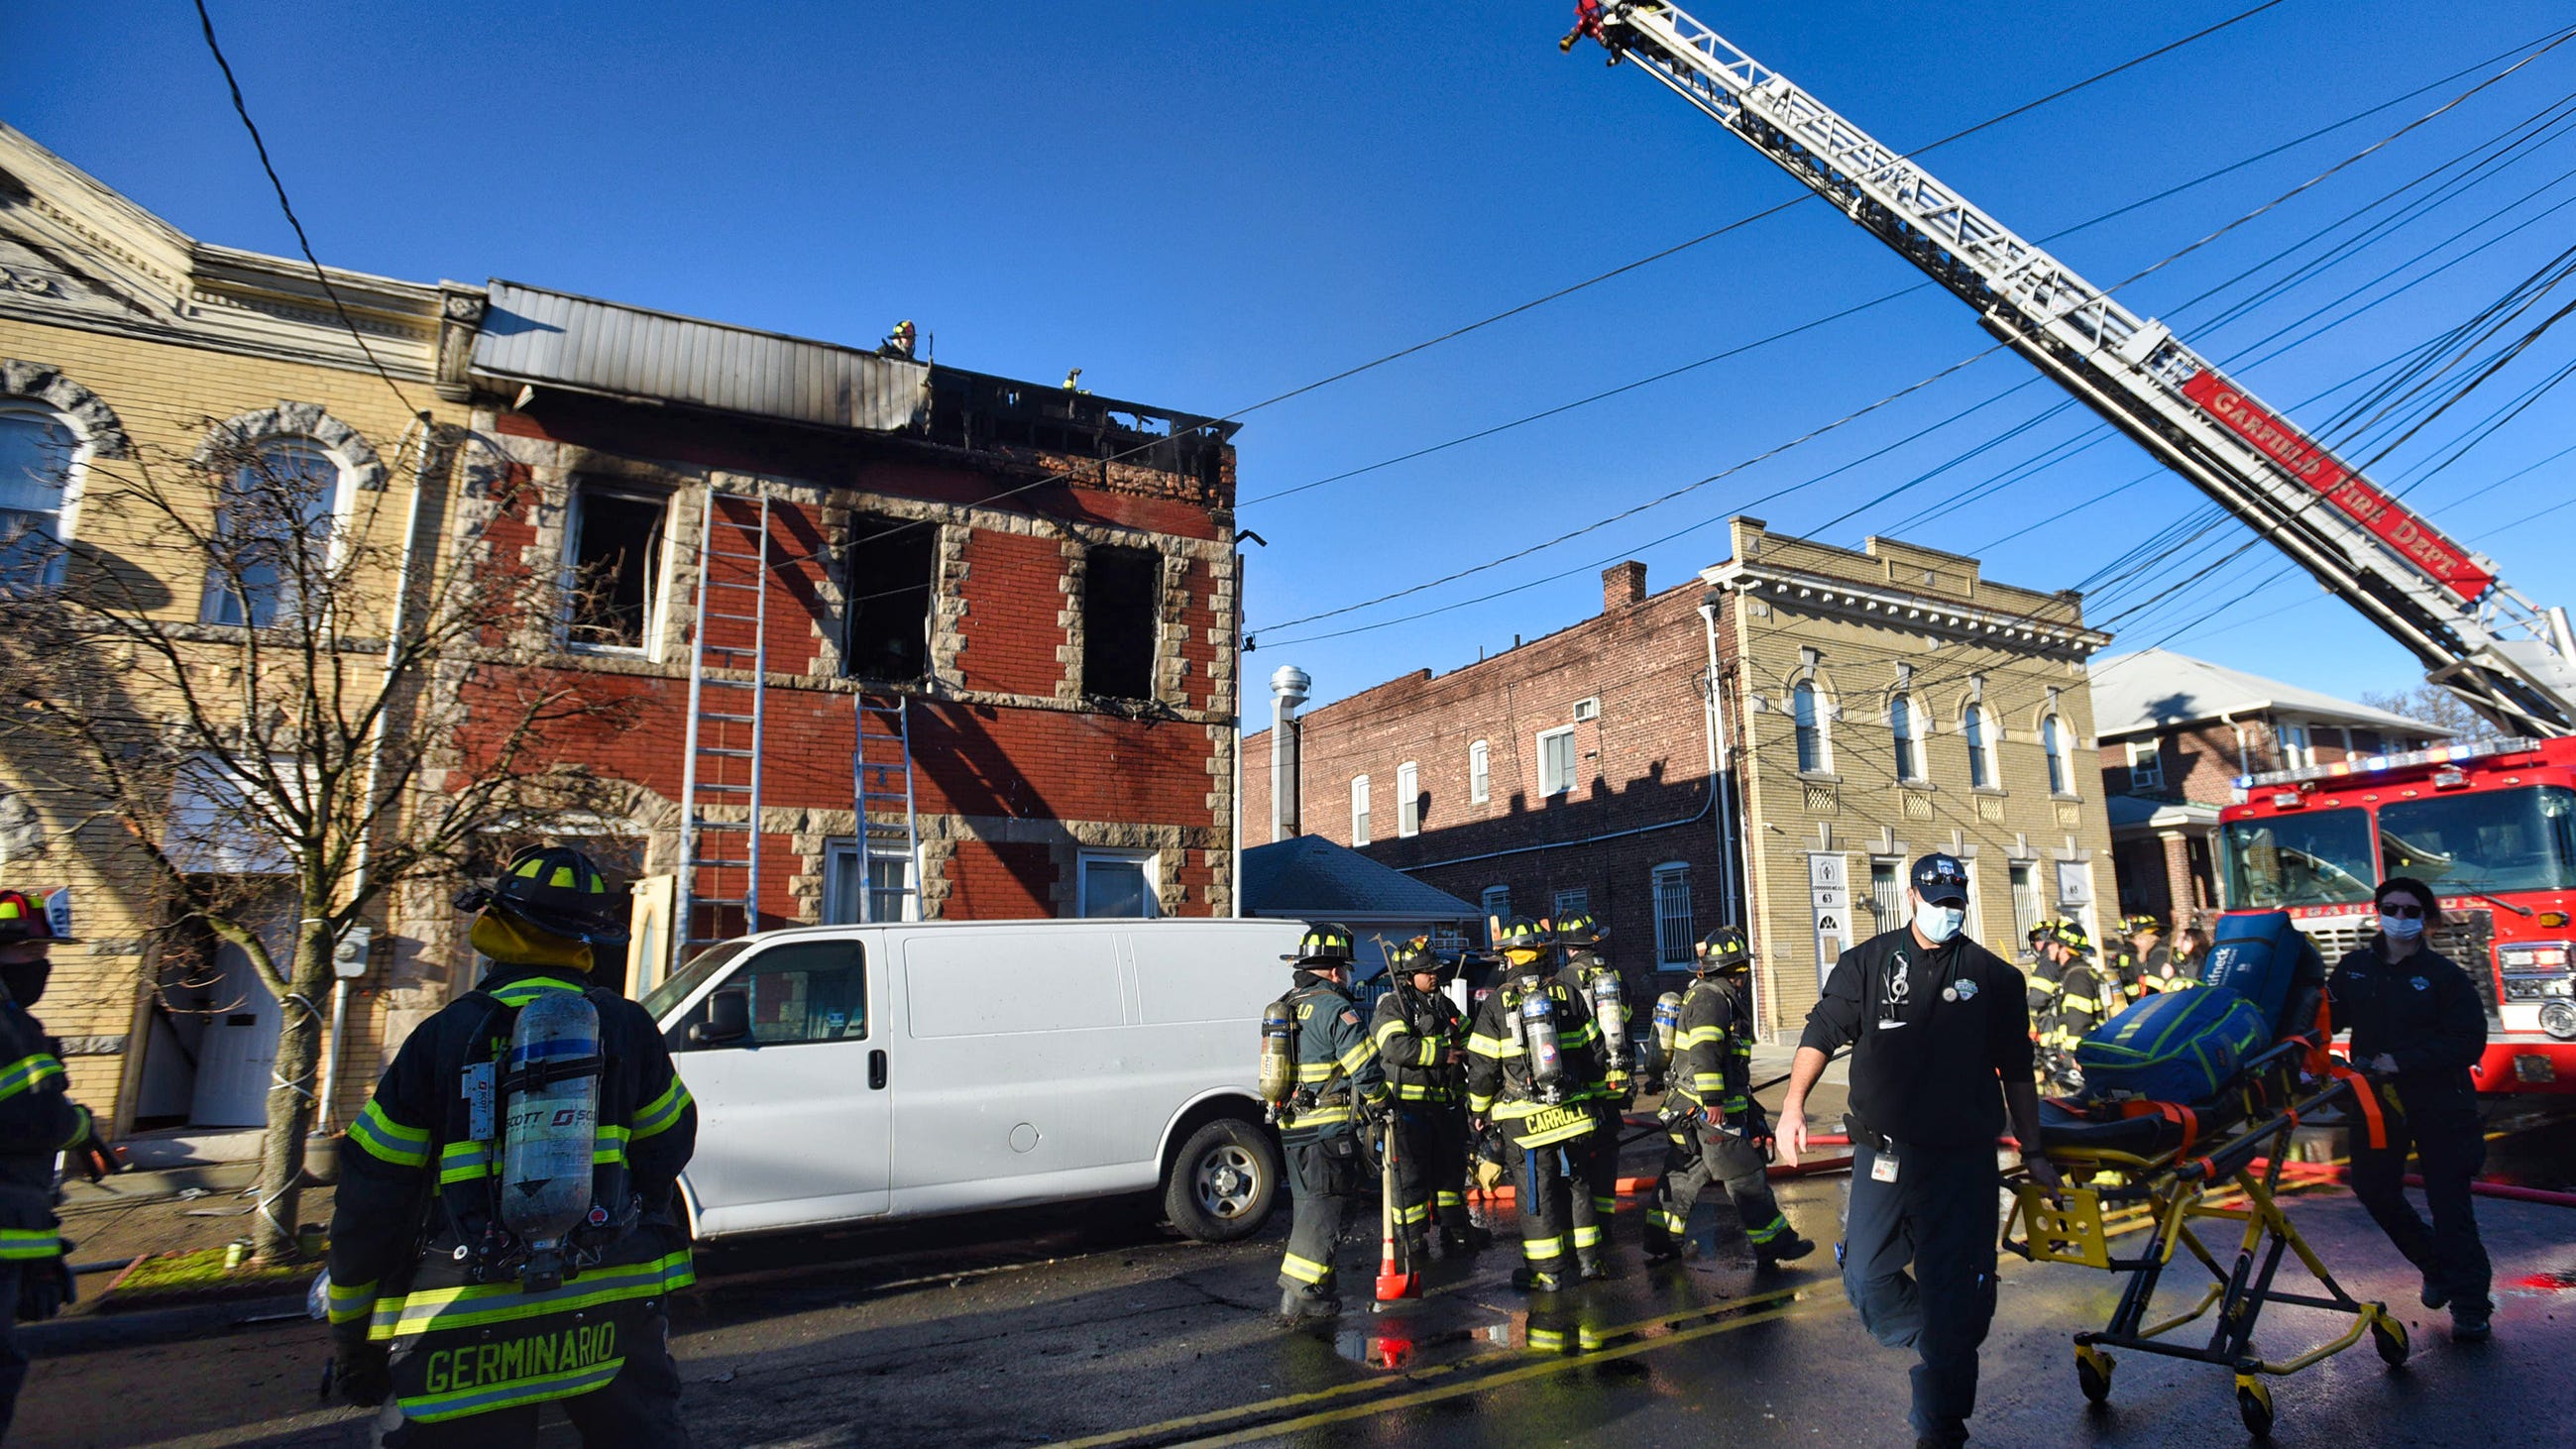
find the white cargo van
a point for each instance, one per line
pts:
(862, 1073)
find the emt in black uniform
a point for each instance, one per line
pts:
(1940, 1038)
(2416, 1029)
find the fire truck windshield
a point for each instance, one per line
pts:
(2314, 858)
(2493, 840)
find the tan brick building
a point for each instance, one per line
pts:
(1871, 706)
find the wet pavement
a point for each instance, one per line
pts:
(1093, 1326)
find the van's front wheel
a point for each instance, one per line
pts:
(1223, 1181)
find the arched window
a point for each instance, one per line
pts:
(1359, 810)
(1480, 773)
(38, 450)
(1905, 725)
(2053, 740)
(272, 540)
(1808, 710)
(1979, 728)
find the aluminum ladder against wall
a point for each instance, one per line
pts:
(719, 875)
(881, 767)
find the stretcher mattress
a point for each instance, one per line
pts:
(2064, 1124)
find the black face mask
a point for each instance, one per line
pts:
(26, 980)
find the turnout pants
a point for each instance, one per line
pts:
(1940, 1218)
(1556, 1203)
(2450, 1142)
(13, 1359)
(1692, 1160)
(1323, 1179)
(639, 1407)
(1431, 1167)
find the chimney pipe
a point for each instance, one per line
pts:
(1288, 687)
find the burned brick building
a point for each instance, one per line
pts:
(894, 639)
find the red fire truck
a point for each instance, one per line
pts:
(2491, 827)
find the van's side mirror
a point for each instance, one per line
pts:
(728, 1020)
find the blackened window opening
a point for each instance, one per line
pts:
(893, 563)
(1121, 609)
(616, 553)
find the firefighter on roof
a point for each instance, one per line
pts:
(1533, 1068)
(1337, 1082)
(38, 1122)
(446, 1296)
(1714, 1127)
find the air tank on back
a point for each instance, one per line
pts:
(549, 1129)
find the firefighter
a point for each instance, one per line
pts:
(2156, 969)
(1533, 1069)
(2084, 999)
(1598, 984)
(38, 1122)
(1714, 1127)
(2045, 978)
(1421, 1039)
(2184, 955)
(900, 342)
(1338, 1082)
(436, 1304)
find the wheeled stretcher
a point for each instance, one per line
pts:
(2174, 1172)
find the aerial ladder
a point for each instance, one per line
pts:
(2506, 658)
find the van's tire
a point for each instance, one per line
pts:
(1223, 1181)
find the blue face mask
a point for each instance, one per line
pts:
(1940, 923)
(2401, 928)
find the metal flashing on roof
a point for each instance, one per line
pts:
(556, 339)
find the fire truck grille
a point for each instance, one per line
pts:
(2467, 937)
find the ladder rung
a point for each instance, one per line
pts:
(728, 789)
(729, 618)
(714, 683)
(728, 754)
(719, 865)
(737, 557)
(727, 718)
(705, 824)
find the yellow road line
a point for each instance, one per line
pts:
(1493, 1380)
(1430, 1371)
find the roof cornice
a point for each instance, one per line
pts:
(1899, 608)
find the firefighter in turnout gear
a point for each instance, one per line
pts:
(445, 1297)
(1604, 994)
(1714, 1127)
(2156, 968)
(1421, 1039)
(1533, 1068)
(2085, 997)
(38, 1121)
(1338, 1082)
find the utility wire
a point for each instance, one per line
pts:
(242, 109)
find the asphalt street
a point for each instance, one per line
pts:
(1093, 1326)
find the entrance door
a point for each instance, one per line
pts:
(239, 1050)
(793, 1122)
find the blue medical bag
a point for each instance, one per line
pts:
(2175, 1046)
(2263, 958)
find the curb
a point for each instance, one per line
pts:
(88, 1332)
(139, 1187)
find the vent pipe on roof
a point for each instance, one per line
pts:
(1288, 687)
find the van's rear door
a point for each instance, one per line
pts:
(794, 1125)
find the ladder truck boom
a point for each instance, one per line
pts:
(2511, 661)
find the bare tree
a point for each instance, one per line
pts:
(350, 712)
(2434, 706)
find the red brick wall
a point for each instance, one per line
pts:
(1642, 763)
(1014, 601)
(995, 881)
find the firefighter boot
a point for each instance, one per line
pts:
(1787, 1250)
(1537, 1280)
(1306, 1304)
(1592, 1263)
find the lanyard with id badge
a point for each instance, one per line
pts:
(1895, 993)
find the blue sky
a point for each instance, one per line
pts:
(1206, 205)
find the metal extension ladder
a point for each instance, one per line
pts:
(881, 766)
(719, 875)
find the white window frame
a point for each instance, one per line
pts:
(1573, 762)
(657, 570)
(1359, 810)
(1408, 800)
(1151, 860)
(1480, 773)
(2056, 746)
(2298, 747)
(2030, 906)
(1913, 766)
(1819, 719)
(336, 547)
(1676, 932)
(2146, 764)
(75, 478)
(1497, 903)
(1981, 732)
(838, 910)
(1572, 901)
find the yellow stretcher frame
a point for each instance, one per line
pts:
(2172, 1191)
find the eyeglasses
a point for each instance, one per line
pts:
(2401, 912)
